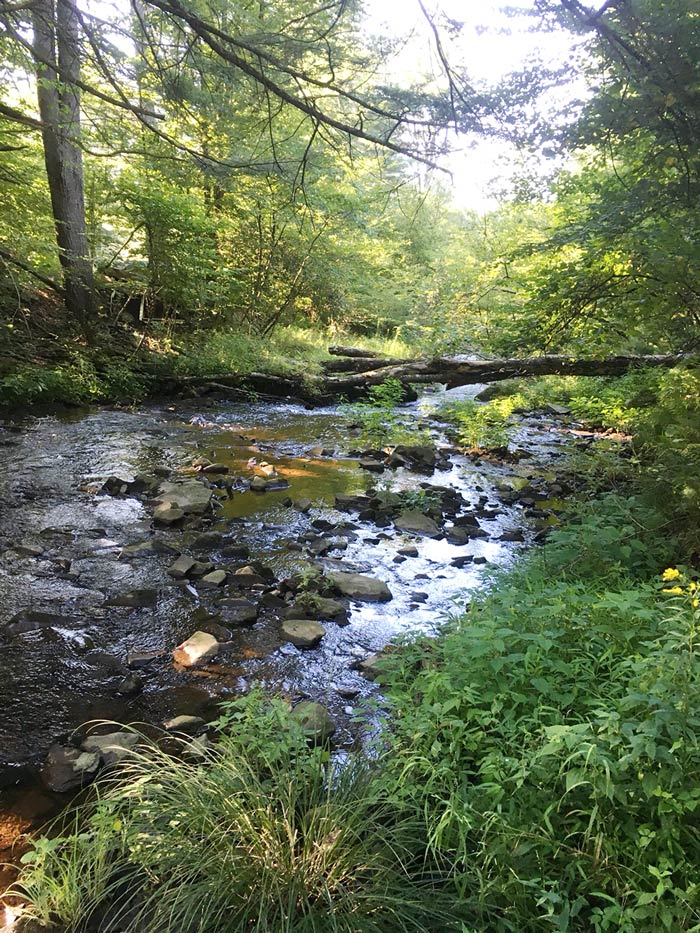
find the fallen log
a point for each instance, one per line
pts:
(458, 372)
(353, 352)
(329, 389)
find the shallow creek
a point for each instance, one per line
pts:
(61, 539)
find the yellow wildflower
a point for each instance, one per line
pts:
(670, 573)
(675, 590)
(696, 603)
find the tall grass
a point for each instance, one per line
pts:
(261, 833)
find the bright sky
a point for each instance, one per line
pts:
(491, 44)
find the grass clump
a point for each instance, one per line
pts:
(260, 833)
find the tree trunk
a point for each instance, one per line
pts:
(57, 54)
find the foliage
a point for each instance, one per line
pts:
(486, 425)
(550, 737)
(378, 419)
(259, 833)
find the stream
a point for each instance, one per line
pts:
(69, 655)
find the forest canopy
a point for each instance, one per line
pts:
(249, 165)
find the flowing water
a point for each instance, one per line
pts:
(61, 540)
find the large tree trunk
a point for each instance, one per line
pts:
(57, 52)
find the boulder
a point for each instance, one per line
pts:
(238, 611)
(167, 515)
(303, 505)
(310, 606)
(372, 466)
(134, 599)
(351, 503)
(66, 768)
(190, 497)
(457, 535)
(361, 587)
(259, 484)
(137, 660)
(414, 522)
(187, 725)
(246, 576)
(215, 578)
(303, 633)
(198, 649)
(111, 747)
(315, 721)
(410, 550)
(182, 567)
(374, 667)
(420, 457)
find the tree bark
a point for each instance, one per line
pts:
(57, 54)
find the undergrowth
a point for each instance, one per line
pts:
(261, 832)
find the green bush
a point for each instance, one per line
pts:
(551, 740)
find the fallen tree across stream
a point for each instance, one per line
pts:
(356, 371)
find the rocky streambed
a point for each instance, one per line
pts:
(157, 561)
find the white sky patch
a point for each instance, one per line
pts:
(489, 45)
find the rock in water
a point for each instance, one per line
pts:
(358, 586)
(112, 747)
(315, 720)
(416, 523)
(67, 768)
(182, 566)
(191, 497)
(303, 633)
(198, 649)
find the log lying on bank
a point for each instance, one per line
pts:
(365, 372)
(460, 371)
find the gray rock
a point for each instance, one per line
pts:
(198, 649)
(246, 576)
(214, 579)
(137, 660)
(351, 503)
(259, 484)
(457, 535)
(361, 587)
(310, 606)
(303, 633)
(373, 667)
(201, 568)
(238, 611)
(130, 685)
(303, 505)
(414, 522)
(111, 748)
(190, 497)
(167, 515)
(134, 599)
(315, 720)
(66, 768)
(372, 466)
(188, 725)
(410, 550)
(182, 567)
(146, 548)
